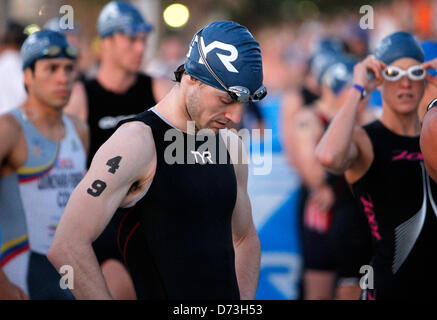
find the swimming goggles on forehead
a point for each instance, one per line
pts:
(54, 51)
(237, 93)
(393, 73)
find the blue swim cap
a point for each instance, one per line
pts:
(325, 54)
(321, 61)
(331, 44)
(46, 44)
(122, 17)
(231, 51)
(339, 74)
(54, 24)
(399, 45)
(430, 51)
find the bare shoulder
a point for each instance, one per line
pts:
(130, 151)
(8, 121)
(136, 130)
(135, 138)
(12, 148)
(9, 127)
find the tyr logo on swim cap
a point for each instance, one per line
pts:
(231, 52)
(46, 44)
(399, 45)
(122, 17)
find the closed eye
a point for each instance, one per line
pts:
(227, 102)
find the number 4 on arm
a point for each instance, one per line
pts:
(113, 164)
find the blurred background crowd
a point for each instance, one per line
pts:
(288, 31)
(292, 35)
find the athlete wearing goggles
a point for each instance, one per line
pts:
(237, 93)
(54, 51)
(393, 73)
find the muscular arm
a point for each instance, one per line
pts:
(94, 201)
(428, 142)
(245, 238)
(345, 147)
(337, 150)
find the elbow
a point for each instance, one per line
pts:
(58, 252)
(325, 158)
(329, 161)
(54, 253)
(250, 239)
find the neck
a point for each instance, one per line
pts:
(47, 119)
(172, 107)
(115, 79)
(402, 124)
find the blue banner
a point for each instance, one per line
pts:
(274, 198)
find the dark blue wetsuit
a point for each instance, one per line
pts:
(177, 240)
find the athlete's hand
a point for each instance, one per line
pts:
(9, 291)
(368, 66)
(432, 64)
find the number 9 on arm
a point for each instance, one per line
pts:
(97, 188)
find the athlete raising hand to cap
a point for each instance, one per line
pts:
(383, 164)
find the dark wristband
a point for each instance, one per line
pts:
(361, 90)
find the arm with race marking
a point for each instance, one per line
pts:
(95, 200)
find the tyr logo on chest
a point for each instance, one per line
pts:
(204, 156)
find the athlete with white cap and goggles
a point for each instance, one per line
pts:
(187, 230)
(382, 162)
